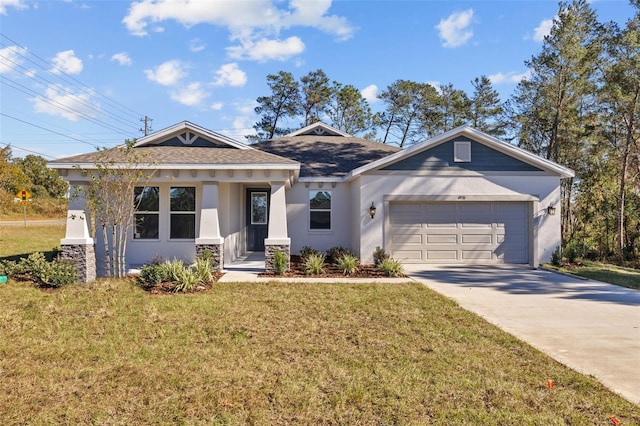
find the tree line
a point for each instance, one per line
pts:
(579, 107)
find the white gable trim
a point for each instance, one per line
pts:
(317, 126)
(194, 130)
(476, 135)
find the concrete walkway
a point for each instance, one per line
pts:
(586, 325)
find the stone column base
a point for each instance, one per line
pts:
(269, 255)
(217, 254)
(84, 257)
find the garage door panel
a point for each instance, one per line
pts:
(460, 232)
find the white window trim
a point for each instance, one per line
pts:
(137, 212)
(194, 213)
(330, 210)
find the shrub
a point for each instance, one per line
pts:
(335, 253)
(348, 263)
(280, 262)
(152, 274)
(186, 280)
(172, 269)
(56, 273)
(7, 267)
(203, 268)
(379, 255)
(308, 251)
(571, 252)
(314, 264)
(556, 257)
(62, 272)
(391, 267)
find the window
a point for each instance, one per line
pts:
(462, 152)
(147, 203)
(259, 208)
(319, 209)
(182, 205)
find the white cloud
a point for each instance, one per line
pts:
(18, 4)
(122, 58)
(240, 17)
(264, 50)
(455, 30)
(508, 78)
(67, 62)
(191, 95)
(370, 93)
(61, 101)
(10, 57)
(196, 45)
(542, 30)
(230, 75)
(167, 74)
(216, 106)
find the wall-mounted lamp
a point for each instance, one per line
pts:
(551, 210)
(372, 210)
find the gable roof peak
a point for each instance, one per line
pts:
(189, 127)
(318, 129)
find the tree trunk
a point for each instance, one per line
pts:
(107, 260)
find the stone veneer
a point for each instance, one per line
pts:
(84, 257)
(217, 251)
(269, 254)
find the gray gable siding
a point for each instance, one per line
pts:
(483, 159)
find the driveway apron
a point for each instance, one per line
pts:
(587, 325)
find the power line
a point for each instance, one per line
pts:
(29, 150)
(48, 130)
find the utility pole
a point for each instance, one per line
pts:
(147, 125)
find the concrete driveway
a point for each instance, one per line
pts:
(587, 325)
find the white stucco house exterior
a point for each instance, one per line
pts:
(460, 197)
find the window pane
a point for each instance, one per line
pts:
(320, 220)
(183, 199)
(146, 227)
(147, 198)
(320, 200)
(258, 208)
(183, 226)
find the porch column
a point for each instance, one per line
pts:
(209, 237)
(278, 237)
(77, 245)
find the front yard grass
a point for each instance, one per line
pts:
(276, 353)
(17, 241)
(605, 272)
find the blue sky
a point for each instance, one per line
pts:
(81, 74)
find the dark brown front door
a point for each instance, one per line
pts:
(257, 214)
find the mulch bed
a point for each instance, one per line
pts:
(296, 270)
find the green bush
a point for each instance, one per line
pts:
(56, 273)
(7, 267)
(280, 262)
(391, 267)
(308, 251)
(172, 269)
(348, 263)
(186, 280)
(556, 257)
(571, 251)
(203, 268)
(335, 253)
(62, 272)
(152, 274)
(314, 264)
(379, 255)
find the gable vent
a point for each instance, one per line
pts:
(187, 138)
(462, 152)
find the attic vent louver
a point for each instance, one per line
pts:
(318, 131)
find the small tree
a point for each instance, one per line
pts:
(110, 199)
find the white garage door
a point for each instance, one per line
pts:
(459, 232)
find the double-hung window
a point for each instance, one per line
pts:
(182, 205)
(319, 210)
(146, 200)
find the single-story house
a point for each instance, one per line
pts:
(461, 197)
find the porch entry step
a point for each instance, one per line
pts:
(250, 262)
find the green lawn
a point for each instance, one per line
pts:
(16, 240)
(109, 353)
(625, 277)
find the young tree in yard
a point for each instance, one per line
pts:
(348, 110)
(554, 106)
(111, 201)
(316, 95)
(486, 108)
(284, 102)
(620, 99)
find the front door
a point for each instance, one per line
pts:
(257, 218)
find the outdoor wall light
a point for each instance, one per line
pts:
(372, 210)
(551, 210)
